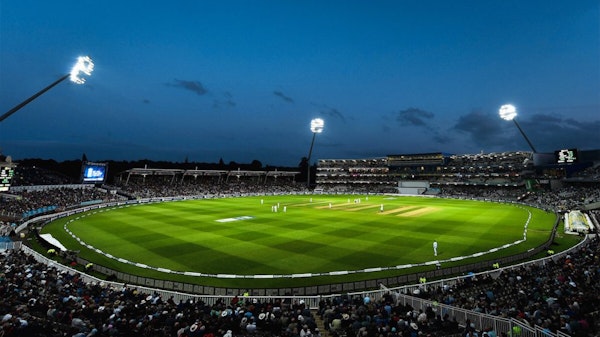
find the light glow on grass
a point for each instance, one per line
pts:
(185, 236)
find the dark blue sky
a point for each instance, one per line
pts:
(241, 80)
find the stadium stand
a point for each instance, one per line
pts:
(560, 296)
(150, 183)
(45, 300)
(354, 176)
(381, 175)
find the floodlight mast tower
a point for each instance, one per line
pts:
(83, 66)
(509, 112)
(316, 126)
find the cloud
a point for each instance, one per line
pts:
(332, 112)
(441, 139)
(547, 132)
(483, 129)
(229, 103)
(194, 86)
(327, 111)
(419, 118)
(283, 96)
(550, 132)
(547, 119)
(414, 117)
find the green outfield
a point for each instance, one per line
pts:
(316, 234)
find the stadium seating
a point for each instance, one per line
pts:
(40, 300)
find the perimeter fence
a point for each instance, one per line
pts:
(402, 294)
(436, 272)
(401, 287)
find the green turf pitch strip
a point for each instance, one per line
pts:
(296, 235)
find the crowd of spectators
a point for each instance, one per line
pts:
(38, 300)
(569, 197)
(32, 176)
(140, 187)
(561, 295)
(505, 168)
(495, 162)
(163, 186)
(18, 202)
(6, 229)
(591, 173)
(360, 316)
(471, 191)
(21, 202)
(354, 175)
(358, 187)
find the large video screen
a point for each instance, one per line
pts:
(566, 156)
(93, 172)
(6, 174)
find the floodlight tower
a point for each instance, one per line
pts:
(316, 126)
(509, 112)
(83, 66)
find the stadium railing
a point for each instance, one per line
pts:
(400, 293)
(437, 273)
(312, 295)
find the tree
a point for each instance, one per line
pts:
(256, 165)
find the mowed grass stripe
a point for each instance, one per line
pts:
(189, 252)
(306, 238)
(278, 247)
(291, 247)
(145, 245)
(246, 236)
(242, 244)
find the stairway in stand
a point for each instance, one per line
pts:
(320, 323)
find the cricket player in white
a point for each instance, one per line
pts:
(434, 248)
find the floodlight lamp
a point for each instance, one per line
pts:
(84, 65)
(508, 112)
(316, 125)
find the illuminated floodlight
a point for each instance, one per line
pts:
(508, 112)
(84, 65)
(317, 125)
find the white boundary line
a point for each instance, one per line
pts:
(304, 275)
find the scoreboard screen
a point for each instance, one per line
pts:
(93, 172)
(566, 156)
(6, 174)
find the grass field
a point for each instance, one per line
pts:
(244, 236)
